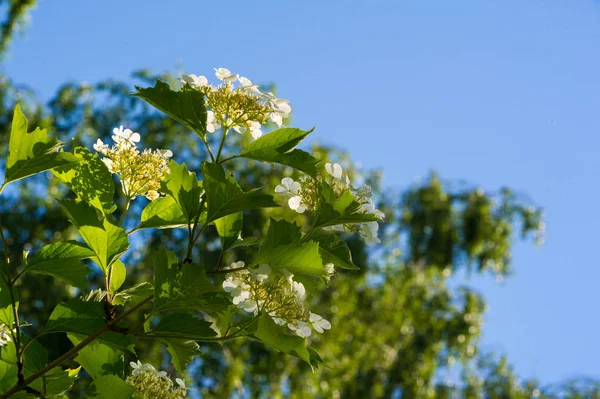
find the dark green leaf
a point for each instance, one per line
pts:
(31, 153)
(188, 288)
(334, 250)
(182, 352)
(62, 260)
(276, 336)
(225, 197)
(84, 318)
(90, 179)
(6, 311)
(185, 326)
(8, 375)
(276, 147)
(186, 106)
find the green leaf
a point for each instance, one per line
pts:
(134, 295)
(184, 188)
(108, 241)
(276, 337)
(62, 260)
(225, 197)
(277, 147)
(117, 276)
(32, 153)
(98, 359)
(186, 106)
(56, 382)
(229, 228)
(182, 352)
(8, 375)
(90, 179)
(6, 311)
(85, 318)
(334, 250)
(282, 249)
(112, 387)
(163, 213)
(246, 242)
(185, 326)
(186, 288)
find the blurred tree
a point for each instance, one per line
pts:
(405, 329)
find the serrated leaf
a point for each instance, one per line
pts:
(118, 272)
(55, 382)
(246, 242)
(90, 179)
(276, 337)
(163, 213)
(112, 387)
(84, 318)
(184, 326)
(8, 375)
(186, 106)
(98, 359)
(182, 352)
(6, 311)
(107, 240)
(229, 228)
(277, 147)
(32, 153)
(184, 188)
(62, 260)
(334, 250)
(185, 288)
(224, 196)
(134, 295)
(282, 249)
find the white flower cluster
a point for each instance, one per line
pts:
(303, 196)
(258, 290)
(151, 383)
(140, 171)
(5, 336)
(238, 104)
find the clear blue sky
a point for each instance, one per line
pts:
(494, 92)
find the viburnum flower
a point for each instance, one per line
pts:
(180, 382)
(329, 268)
(295, 203)
(195, 81)
(5, 337)
(301, 328)
(319, 323)
(238, 104)
(225, 75)
(288, 187)
(369, 233)
(120, 134)
(150, 383)
(334, 170)
(141, 172)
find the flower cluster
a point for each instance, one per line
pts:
(258, 290)
(304, 195)
(151, 383)
(5, 335)
(140, 171)
(238, 104)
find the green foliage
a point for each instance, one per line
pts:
(31, 153)
(186, 106)
(90, 179)
(225, 197)
(278, 147)
(112, 387)
(62, 260)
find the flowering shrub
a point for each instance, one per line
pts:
(264, 296)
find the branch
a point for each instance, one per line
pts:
(107, 327)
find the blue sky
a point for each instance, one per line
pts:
(492, 92)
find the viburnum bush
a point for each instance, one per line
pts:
(262, 297)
